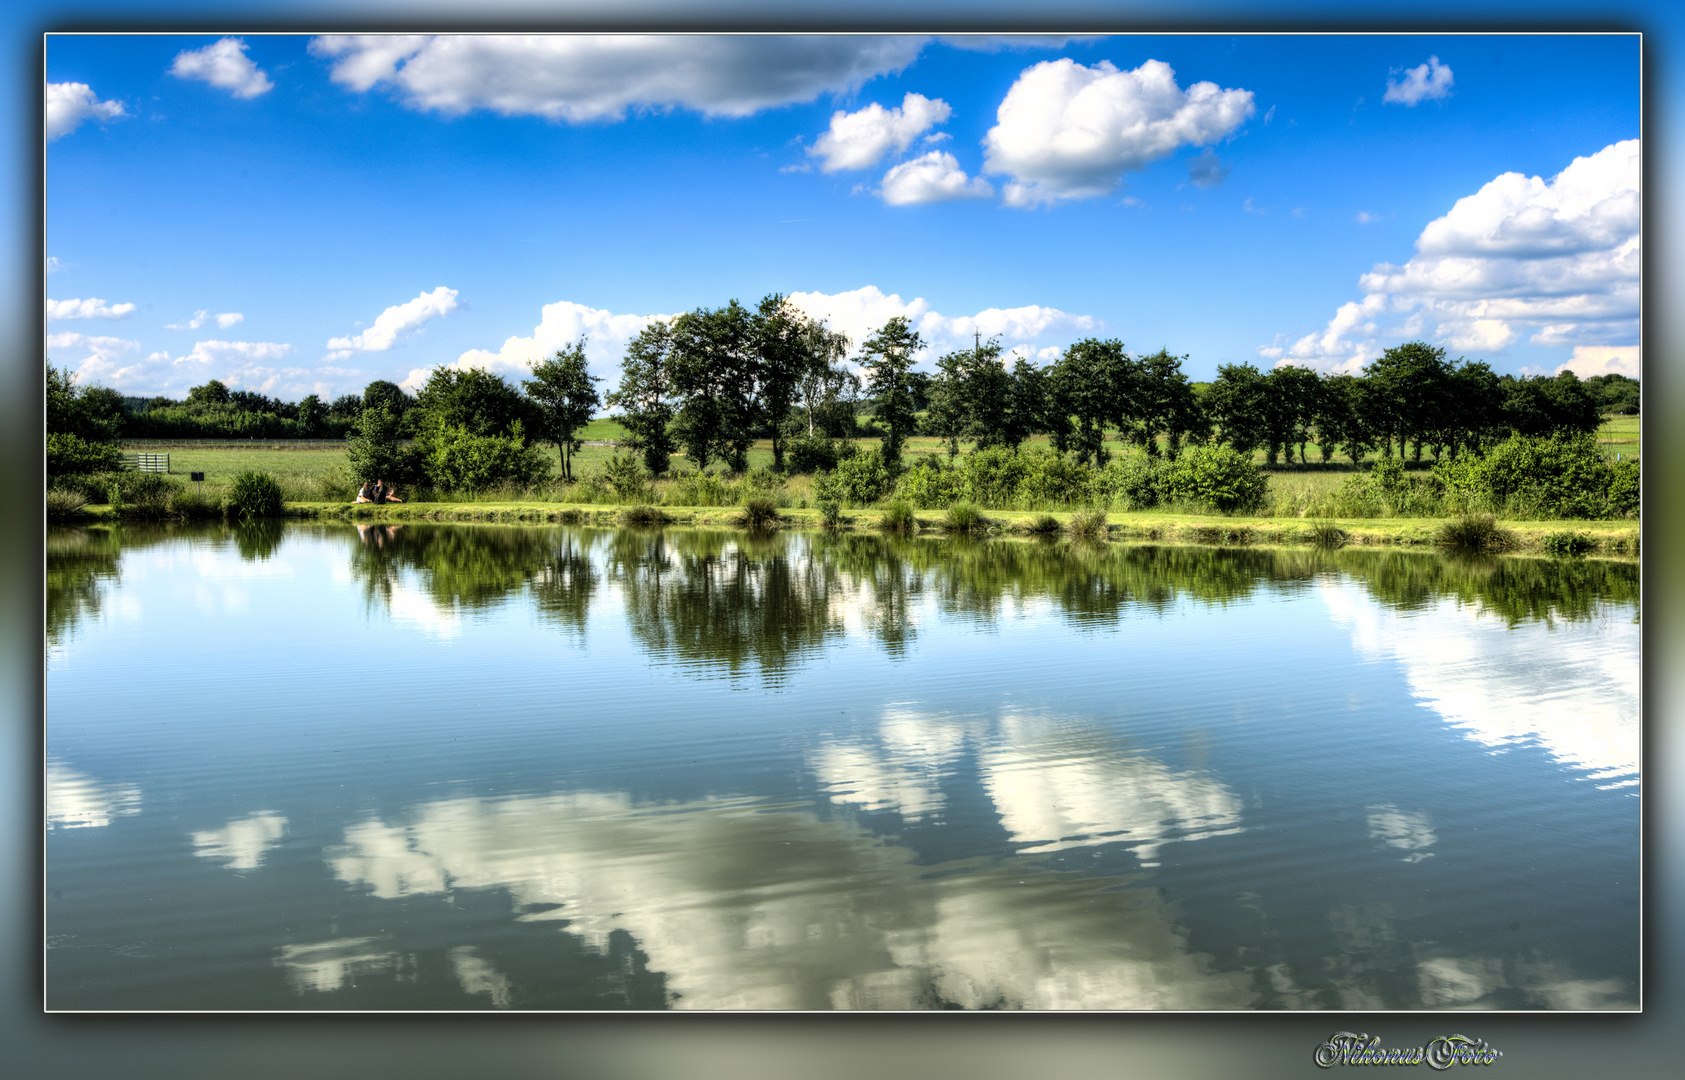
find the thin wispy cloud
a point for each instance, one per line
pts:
(394, 323)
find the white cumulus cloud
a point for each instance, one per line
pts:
(225, 66)
(1067, 131)
(935, 177)
(1589, 360)
(70, 103)
(1425, 82)
(560, 324)
(587, 77)
(1556, 261)
(394, 322)
(91, 308)
(857, 140)
(859, 313)
(1026, 330)
(201, 317)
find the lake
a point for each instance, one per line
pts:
(459, 767)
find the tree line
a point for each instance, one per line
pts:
(709, 383)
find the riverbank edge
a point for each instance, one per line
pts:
(1619, 538)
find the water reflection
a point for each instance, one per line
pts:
(743, 906)
(240, 844)
(1568, 685)
(740, 602)
(76, 800)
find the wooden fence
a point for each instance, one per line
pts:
(145, 462)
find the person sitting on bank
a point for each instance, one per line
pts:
(386, 493)
(366, 493)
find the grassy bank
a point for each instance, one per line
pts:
(1607, 538)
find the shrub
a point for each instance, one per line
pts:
(1133, 481)
(460, 461)
(927, 485)
(65, 505)
(859, 480)
(1045, 525)
(72, 455)
(642, 516)
(759, 514)
(1218, 477)
(990, 477)
(1475, 534)
(898, 517)
(965, 519)
(1623, 488)
(1568, 545)
(805, 455)
(373, 451)
(1052, 478)
(1554, 476)
(698, 489)
(1326, 534)
(1089, 526)
(830, 513)
(254, 495)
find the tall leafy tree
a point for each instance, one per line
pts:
(781, 342)
(1236, 404)
(1410, 388)
(646, 398)
(715, 367)
(1091, 384)
(565, 393)
(1163, 402)
(825, 384)
(1290, 407)
(477, 400)
(1476, 417)
(887, 357)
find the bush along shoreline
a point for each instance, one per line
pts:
(1206, 493)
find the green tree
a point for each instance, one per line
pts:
(480, 402)
(887, 357)
(825, 384)
(1291, 394)
(1091, 384)
(373, 450)
(714, 365)
(646, 396)
(781, 342)
(1163, 402)
(563, 389)
(1410, 391)
(80, 411)
(1236, 403)
(311, 416)
(211, 393)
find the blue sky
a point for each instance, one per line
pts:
(296, 214)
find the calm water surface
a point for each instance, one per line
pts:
(460, 767)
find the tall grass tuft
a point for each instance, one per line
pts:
(759, 514)
(1569, 545)
(1476, 534)
(898, 517)
(642, 515)
(1326, 534)
(1089, 526)
(65, 505)
(830, 513)
(1044, 525)
(964, 519)
(254, 495)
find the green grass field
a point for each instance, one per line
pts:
(1618, 435)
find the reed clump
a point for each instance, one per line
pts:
(898, 517)
(1089, 526)
(759, 514)
(964, 519)
(1477, 534)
